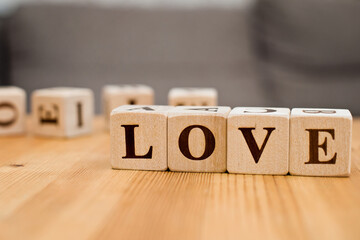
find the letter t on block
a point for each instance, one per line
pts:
(320, 142)
(139, 137)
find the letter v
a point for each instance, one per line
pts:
(250, 140)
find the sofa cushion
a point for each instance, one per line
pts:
(308, 52)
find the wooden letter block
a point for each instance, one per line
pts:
(320, 142)
(258, 141)
(117, 95)
(197, 139)
(193, 97)
(139, 137)
(12, 110)
(62, 112)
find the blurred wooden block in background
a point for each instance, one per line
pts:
(197, 139)
(320, 142)
(193, 97)
(139, 137)
(12, 110)
(62, 112)
(258, 140)
(114, 96)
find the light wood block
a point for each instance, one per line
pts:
(114, 96)
(258, 141)
(193, 97)
(197, 139)
(320, 142)
(62, 112)
(12, 110)
(139, 137)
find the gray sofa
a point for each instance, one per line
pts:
(263, 53)
(308, 52)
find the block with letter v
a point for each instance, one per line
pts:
(258, 140)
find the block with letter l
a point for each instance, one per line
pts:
(258, 140)
(197, 138)
(320, 142)
(139, 137)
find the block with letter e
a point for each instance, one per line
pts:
(139, 137)
(62, 111)
(320, 142)
(197, 138)
(258, 140)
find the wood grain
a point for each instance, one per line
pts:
(66, 189)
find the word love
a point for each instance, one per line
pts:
(277, 141)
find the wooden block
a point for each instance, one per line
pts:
(12, 110)
(62, 112)
(258, 141)
(193, 97)
(320, 142)
(131, 94)
(197, 139)
(139, 137)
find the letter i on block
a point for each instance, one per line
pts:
(320, 142)
(12, 110)
(62, 112)
(197, 139)
(258, 141)
(139, 137)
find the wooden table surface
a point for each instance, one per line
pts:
(65, 189)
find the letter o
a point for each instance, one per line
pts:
(209, 142)
(6, 123)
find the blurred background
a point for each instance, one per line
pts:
(291, 53)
